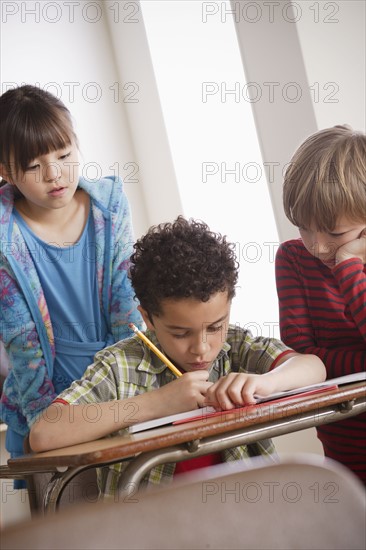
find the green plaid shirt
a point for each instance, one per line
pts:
(129, 368)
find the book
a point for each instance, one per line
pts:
(274, 398)
(199, 414)
(341, 380)
(208, 412)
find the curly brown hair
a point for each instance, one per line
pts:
(183, 259)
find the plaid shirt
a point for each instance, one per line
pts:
(129, 368)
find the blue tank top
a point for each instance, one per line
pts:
(69, 282)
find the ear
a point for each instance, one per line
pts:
(4, 174)
(146, 318)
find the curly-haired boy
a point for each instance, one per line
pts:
(184, 277)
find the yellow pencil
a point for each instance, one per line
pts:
(161, 356)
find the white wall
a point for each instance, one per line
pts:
(65, 48)
(145, 117)
(214, 146)
(95, 55)
(309, 61)
(333, 41)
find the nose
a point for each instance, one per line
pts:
(320, 243)
(199, 346)
(52, 172)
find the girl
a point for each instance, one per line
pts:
(65, 247)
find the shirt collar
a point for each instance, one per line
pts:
(152, 364)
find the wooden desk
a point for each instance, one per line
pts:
(176, 443)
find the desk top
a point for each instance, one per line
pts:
(107, 449)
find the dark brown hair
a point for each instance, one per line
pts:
(183, 259)
(33, 122)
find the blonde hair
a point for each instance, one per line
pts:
(326, 179)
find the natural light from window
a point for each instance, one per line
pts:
(212, 135)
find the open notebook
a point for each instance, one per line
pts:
(206, 412)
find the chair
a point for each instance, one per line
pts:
(299, 503)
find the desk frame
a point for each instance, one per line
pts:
(176, 443)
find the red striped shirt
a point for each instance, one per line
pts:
(323, 311)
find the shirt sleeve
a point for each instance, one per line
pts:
(120, 371)
(255, 355)
(351, 279)
(97, 385)
(123, 303)
(28, 388)
(296, 325)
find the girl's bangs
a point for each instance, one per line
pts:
(40, 137)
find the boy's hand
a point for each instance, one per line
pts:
(185, 393)
(353, 249)
(238, 389)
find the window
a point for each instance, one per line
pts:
(214, 144)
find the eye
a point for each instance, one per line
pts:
(335, 235)
(32, 167)
(212, 330)
(63, 157)
(179, 336)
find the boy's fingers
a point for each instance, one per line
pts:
(235, 391)
(248, 394)
(199, 374)
(219, 393)
(205, 388)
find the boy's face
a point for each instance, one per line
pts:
(191, 332)
(324, 245)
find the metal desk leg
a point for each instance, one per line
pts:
(138, 467)
(55, 487)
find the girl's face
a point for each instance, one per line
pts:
(324, 245)
(50, 180)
